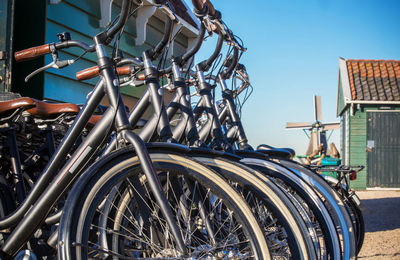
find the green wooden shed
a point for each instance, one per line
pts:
(33, 23)
(368, 104)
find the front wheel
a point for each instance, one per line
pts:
(113, 213)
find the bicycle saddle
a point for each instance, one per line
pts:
(49, 110)
(287, 153)
(8, 107)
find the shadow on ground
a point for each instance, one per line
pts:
(388, 256)
(381, 214)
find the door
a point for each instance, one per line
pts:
(383, 149)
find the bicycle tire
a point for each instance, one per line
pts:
(90, 190)
(352, 206)
(358, 222)
(325, 239)
(304, 191)
(334, 202)
(275, 202)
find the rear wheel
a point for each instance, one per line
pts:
(309, 203)
(333, 202)
(352, 202)
(286, 234)
(114, 213)
(359, 219)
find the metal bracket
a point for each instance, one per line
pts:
(105, 10)
(143, 15)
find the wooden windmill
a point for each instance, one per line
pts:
(317, 129)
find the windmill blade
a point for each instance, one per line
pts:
(299, 125)
(317, 108)
(330, 126)
(313, 143)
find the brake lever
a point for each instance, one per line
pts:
(208, 25)
(130, 81)
(169, 86)
(219, 26)
(56, 64)
(244, 76)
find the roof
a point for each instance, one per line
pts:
(374, 80)
(182, 10)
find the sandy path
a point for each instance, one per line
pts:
(382, 224)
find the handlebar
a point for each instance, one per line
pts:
(38, 51)
(196, 46)
(233, 62)
(157, 50)
(124, 15)
(121, 70)
(72, 43)
(211, 9)
(199, 6)
(185, 57)
(94, 72)
(206, 64)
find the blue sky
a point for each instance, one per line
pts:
(293, 52)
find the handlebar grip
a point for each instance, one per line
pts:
(31, 53)
(94, 72)
(87, 73)
(211, 9)
(126, 70)
(141, 76)
(198, 4)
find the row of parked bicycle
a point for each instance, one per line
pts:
(88, 181)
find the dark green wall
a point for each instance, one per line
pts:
(358, 141)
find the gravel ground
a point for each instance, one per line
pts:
(381, 211)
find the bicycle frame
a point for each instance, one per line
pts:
(160, 121)
(236, 133)
(15, 160)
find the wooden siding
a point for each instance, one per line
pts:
(82, 21)
(357, 146)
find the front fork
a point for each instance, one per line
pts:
(124, 128)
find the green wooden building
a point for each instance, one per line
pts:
(368, 104)
(33, 23)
